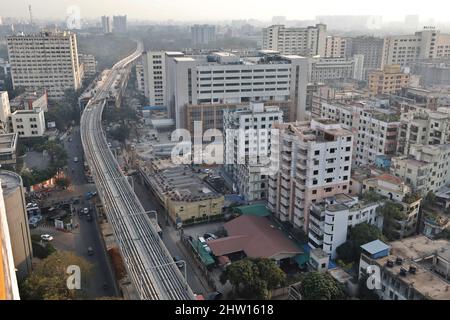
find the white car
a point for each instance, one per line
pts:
(46, 237)
(75, 159)
(86, 210)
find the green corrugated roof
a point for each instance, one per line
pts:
(259, 210)
(206, 258)
(301, 259)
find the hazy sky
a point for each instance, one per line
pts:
(228, 9)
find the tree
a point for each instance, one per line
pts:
(120, 133)
(63, 182)
(359, 235)
(429, 200)
(392, 212)
(48, 281)
(320, 286)
(254, 278)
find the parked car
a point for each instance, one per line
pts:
(178, 261)
(90, 251)
(46, 237)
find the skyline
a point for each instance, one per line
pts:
(201, 10)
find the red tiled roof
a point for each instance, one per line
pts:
(255, 236)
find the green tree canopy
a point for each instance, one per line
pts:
(320, 286)
(48, 281)
(254, 278)
(358, 235)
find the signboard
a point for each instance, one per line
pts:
(51, 124)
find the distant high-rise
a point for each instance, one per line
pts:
(372, 50)
(106, 24)
(47, 60)
(120, 24)
(202, 34)
(297, 41)
(278, 20)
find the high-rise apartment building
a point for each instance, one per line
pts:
(247, 144)
(47, 60)
(9, 287)
(315, 162)
(224, 78)
(89, 64)
(336, 47)
(307, 41)
(202, 34)
(371, 48)
(16, 216)
(106, 24)
(119, 24)
(154, 67)
(390, 80)
(425, 44)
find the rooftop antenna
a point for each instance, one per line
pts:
(31, 14)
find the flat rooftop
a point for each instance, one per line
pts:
(10, 181)
(8, 141)
(181, 183)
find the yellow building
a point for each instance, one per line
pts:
(186, 197)
(390, 80)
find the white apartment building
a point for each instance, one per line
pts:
(307, 41)
(5, 112)
(323, 69)
(315, 162)
(89, 63)
(46, 60)
(119, 24)
(422, 126)
(202, 34)
(106, 24)
(331, 218)
(248, 145)
(377, 135)
(154, 65)
(224, 78)
(28, 123)
(425, 44)
(375, 131)
(336, 47)
(425, 169)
